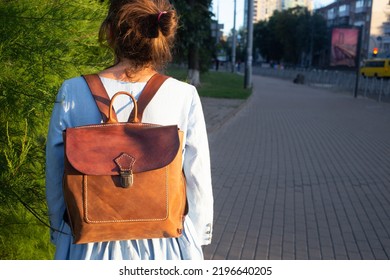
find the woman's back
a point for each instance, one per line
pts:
(174, 103)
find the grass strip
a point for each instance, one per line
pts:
(215, 84)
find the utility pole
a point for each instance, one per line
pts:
(357, 61)
(234, 39)
(248, 65)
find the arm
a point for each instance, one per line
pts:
(55, 164)
(198, 172)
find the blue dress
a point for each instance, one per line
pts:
(175, 103)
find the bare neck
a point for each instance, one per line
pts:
(118, 72)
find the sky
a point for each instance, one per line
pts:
(224, 11)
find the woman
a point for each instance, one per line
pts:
(141, 34)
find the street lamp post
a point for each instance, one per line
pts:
(234, 38)
(357, 61)
(248, 65)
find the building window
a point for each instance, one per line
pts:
(359, 4)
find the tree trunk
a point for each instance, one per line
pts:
(193, 66)
(193, 56)
(193, 77)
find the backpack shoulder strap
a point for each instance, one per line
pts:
(148, 93)
(102, 99)
(100, 95)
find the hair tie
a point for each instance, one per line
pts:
(160, 14)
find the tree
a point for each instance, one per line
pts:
(291, 27)
(292, 36)
(42, 42)
(265, 39)
(194, 42)
(320, 41)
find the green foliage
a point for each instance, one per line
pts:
(266, 41)
(292, 36)
(23, 236)
(194, 33)
(42, 42)
(14, 159)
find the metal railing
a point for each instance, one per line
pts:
(340, 81)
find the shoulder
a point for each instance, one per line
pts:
(75, 96)
(179, 86)
(74, 83)
(72, 87)
(77, 102)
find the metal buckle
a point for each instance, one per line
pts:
(126, 179)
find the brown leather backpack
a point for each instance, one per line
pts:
(124, 180)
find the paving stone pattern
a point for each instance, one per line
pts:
(299, 173)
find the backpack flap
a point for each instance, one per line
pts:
(120, 148)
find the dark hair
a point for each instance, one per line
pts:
(141, 31)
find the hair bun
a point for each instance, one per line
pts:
(164, 20)
(149, 26)
(141, 31)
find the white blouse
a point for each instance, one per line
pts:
(175, 103)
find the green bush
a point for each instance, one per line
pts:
(42, 42)
(23, 237)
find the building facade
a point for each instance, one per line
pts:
(263, 9)
(372, 16)
(287, 4)
(380, 28)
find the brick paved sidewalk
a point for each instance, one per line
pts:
(300, 173)
(217, 111)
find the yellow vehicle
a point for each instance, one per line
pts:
(378, 68)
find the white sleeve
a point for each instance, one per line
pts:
(197, 171)
(55, 163)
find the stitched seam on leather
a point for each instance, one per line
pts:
(166, 194)
(85, 202)
(120, 165)
(116, 124)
